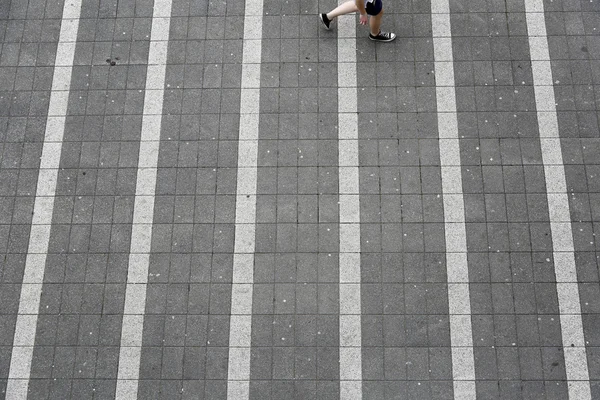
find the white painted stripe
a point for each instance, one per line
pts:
(349, 207)
(558, 204)
(35, 263)
(459, 300)
(240, 320)
(143, 208)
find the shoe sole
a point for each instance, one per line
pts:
(382, 40)
(323, 21)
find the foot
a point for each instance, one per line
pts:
(383, 36)
(326, 21)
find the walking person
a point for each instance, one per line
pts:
(374, 8)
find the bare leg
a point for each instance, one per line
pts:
(345, 8)
(375, 23)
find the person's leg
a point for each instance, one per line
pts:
(375, 23)
(345, 8)
(376, 12)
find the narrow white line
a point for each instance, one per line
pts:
(576, 366)
(459, 302)
(240, 320)
(143, 208)
(349, 267)
(35, 263)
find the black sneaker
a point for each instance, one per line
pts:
(383, 37)
(326, 21)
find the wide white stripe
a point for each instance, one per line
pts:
(349, 209)
(240, 320)
(459, 300)
(576, 365)
(143, 208)
(39, 238)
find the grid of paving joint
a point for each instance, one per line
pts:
(29, 35)
(574, 51)
(516, 328)
(406, 332)
(295, 327)
(406, 346)
(188, 298)
(78, 329)
(516, 321)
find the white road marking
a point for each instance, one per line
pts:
(143, 211)
(240, 320)
(459, 301)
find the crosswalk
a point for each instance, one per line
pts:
(233, 368)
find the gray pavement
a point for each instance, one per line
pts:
(222, 200)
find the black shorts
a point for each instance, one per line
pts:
(374, 8)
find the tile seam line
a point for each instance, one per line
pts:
(33, 277)
(573, 345)
(463, 364)
(143, 211)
